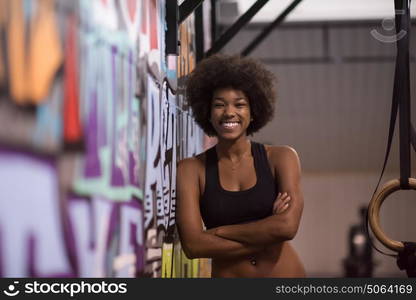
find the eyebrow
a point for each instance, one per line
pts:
(236, 99)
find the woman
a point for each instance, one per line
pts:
(247, 194)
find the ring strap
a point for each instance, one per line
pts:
(401, 99)
(407, 259)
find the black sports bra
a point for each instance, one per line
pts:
(221, 207)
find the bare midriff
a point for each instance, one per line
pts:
(279, 260)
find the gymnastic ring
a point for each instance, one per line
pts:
(374, 212)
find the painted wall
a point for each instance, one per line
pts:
(92, 124)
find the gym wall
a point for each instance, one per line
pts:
(92, 124)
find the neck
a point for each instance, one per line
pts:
(233, 149)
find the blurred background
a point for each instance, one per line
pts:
(93, 122)
(334, 64)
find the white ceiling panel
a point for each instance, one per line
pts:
(323, 10)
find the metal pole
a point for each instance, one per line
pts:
(187, 8)
(235, 28)
(213, 20)
(199, 33)
(171, 37)
(269, 28)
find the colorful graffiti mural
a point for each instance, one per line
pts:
(91, 130)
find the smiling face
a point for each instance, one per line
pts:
(230, 113)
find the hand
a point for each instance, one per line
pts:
(281, 203)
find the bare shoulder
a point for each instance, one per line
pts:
(282, 155)
(191, 172)
(192, 165)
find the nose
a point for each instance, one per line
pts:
(229, 111)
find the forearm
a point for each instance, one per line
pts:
(273, 229)
(208, 245)
(277, 228)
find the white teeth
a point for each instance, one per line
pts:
(230, 124)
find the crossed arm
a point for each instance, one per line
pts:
(241, 239)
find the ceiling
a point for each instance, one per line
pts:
(314, 10)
